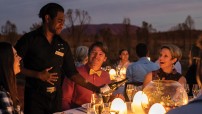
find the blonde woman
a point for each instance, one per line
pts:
(169, 55)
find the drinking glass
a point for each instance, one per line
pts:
(195, 90)
(97, 101)
(106, 109)
(90, 109)
(106, 97)
(130, 91)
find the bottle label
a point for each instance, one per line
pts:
(104, 89)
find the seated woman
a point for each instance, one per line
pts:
(9, 67)
(123, 59)
(121, 67)
(169, 55)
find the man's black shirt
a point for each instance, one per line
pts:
(38, 54)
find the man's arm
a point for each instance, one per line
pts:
(78, 79)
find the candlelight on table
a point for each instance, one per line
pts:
(119, 106)
(136, 105)
(157, 108)
(112, 74)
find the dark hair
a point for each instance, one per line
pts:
(120, 51)
(50, 9)
(101, 45)
(141, 50)
(7, 75)
(195, 51)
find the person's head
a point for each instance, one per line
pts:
(194, 54)
(141, 50)
(169, 55)
(81, 54)
(9, 67)
(97, 54)
(124, 55)
(52, 15)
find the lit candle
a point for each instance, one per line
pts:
(148, 58)
(112, 74)
(136, 105)
(119, 106)
(157, 108)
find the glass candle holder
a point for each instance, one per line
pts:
(168, 93)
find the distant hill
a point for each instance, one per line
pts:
(116, 28)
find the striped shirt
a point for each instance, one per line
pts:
(6, 104)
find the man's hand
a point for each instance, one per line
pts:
(104, 89)
(49, 77)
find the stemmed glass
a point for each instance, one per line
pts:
(195, 90)
(130, 91)
(97, 101)
(106, 97)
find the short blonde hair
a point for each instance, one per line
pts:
(175, 51)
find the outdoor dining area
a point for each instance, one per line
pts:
(158, 97)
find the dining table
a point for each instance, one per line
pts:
(82, 110)
(79, 110)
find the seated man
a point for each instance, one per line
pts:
(137, 70)
(92, 72)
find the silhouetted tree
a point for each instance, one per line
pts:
(126, 33)
(189, 22)
(9, 30)
(76, 23)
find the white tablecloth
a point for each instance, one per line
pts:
(79, 110)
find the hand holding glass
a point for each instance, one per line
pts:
(195, 90)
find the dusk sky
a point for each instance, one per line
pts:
(162, 14)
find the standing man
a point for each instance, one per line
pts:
(138, 70)
(46, 56)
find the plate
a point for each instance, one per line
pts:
(85, 105)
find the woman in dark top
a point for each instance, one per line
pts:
(194, 58)
(9, 67)
(169, 55)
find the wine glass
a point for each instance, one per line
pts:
(97, 101)
(106, 96)
(130, 91)
(195, 90)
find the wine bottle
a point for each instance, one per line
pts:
(113, 86)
